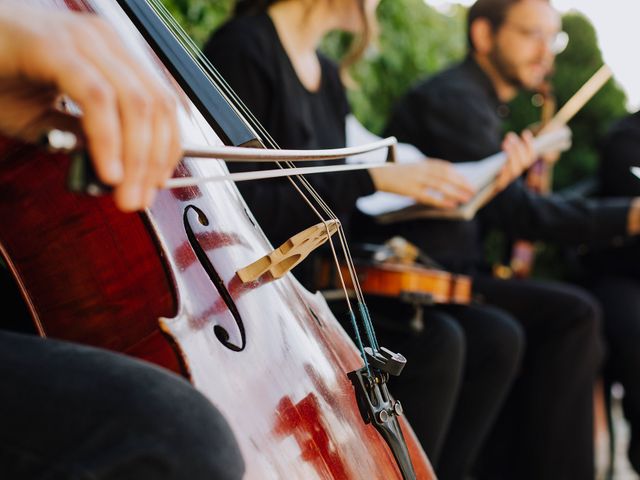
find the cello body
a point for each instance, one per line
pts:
(161, 285)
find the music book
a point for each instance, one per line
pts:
(389, 207)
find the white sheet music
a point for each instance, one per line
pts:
(479, 174)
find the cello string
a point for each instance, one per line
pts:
(207, 67)
(208, 70)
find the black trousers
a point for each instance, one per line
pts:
(545, 430)
(620, 298)
(614, 278)
(459, 370)
(73, 412)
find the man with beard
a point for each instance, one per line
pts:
(545, 430)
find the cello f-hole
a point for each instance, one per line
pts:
(221, 332)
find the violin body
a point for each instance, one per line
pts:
(390, 279)
(161, 285)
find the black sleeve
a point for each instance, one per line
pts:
(620, 152)
(280, 210)
(449, 124)
(573, 221)
(242, 67)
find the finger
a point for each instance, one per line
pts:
(457, 181)
(434, 199)
(448, 190)
(151, 145)
(63, 68)
(137, 136)
(136, 109)
(159, 155)
(517, 156)
(440, 171)
(525, 159)
(510, 169)
(100, 120)
(166, 148)
(175, 144)
(528, 137)
(502, 180)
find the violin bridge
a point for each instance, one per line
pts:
(281, 260)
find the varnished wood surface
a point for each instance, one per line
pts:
(392, 280)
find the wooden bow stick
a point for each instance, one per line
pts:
(581, 97)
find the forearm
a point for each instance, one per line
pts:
(556, 219)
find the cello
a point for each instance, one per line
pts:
(162, 285)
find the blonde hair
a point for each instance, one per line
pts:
(358, 46)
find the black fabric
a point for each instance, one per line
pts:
(613, 275)
(621, 150)
(249, 55)
(620, 299)
(73, 412)
(456, 116)
(546, 428)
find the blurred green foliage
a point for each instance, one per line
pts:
(415, 40)
(199, 17)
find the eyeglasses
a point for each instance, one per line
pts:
(556, 42)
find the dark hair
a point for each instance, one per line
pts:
(251, 7)
(495, 11)
(358, 46)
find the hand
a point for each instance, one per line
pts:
(128, 117)
(552, 157)
(431, 182)
(520, 156)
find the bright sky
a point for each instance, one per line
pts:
(616, 23)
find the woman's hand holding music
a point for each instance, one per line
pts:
(431, 182)
(128, 117)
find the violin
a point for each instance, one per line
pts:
(413, 283)
(398, 269)
(162, 285)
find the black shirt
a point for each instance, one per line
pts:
(456, 115)
(248, 53)
(620, 151)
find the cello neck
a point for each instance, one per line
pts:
(218, 109)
